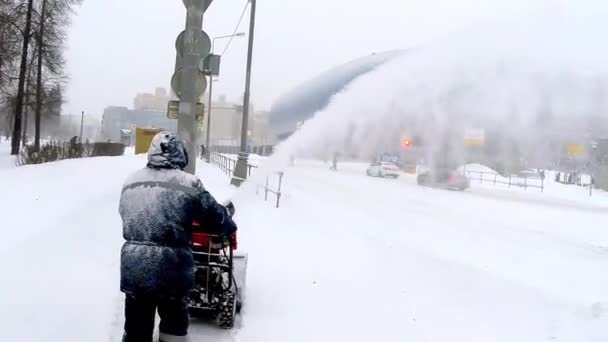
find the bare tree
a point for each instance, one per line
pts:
(32, 43)
(54, 20)
(16, 136)
(11, 35)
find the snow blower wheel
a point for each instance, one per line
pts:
(228, 311)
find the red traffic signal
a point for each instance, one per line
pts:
(407, 143)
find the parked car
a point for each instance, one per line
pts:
(383, 169)
(446, 179)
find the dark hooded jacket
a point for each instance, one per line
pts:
(158, 205)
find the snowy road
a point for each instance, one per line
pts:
(345, 258)
(387, 259)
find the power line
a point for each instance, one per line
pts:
(237, 26)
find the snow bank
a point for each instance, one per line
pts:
(482, 178)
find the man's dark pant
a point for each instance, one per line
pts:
(140, 312)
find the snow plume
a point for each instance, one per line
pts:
(525, 79)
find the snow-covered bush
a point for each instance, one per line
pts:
(57, 150)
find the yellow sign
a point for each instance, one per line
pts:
(575, 149)
(474, 137)
(473, 142)
(143, 138)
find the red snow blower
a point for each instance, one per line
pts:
(219, 277)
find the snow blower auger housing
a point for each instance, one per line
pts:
(219, 278)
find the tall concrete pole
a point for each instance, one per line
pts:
(208, 130)
(240, 169)
(187, 127)
(246, 98)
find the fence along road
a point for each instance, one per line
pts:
(227, 163)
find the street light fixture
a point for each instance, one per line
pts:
(207, 140)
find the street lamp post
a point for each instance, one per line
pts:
(240, 169)
(81, 126)
(209, 105)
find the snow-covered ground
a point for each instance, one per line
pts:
(345, 258)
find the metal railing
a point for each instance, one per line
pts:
(227, 164)
(523, 181)
(262, 150)
(267, 189)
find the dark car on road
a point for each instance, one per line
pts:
(443, 178)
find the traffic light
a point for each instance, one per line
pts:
(407, 143)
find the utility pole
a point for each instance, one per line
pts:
(81, 126)
(240, 169)
(15, 143)
(189, 82)
(207, 153)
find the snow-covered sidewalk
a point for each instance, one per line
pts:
(60, 248)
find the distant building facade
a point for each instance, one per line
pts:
(152, 102)
(226, 119)
(150, 112)
(261, 132)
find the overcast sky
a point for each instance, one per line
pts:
(118, 48)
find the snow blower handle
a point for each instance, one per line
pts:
(230, 208)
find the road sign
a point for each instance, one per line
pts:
(202, 43)
(474, 137)
(210, 65)
(173, 110)
(389, 158)
(199, 115)
(200, 82)
(595, 144)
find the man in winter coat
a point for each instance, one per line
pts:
(158, 205)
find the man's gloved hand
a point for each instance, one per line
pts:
(230, 208)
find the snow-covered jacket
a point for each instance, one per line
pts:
(158, 205)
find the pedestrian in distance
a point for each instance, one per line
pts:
(334, 162)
